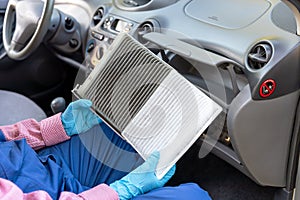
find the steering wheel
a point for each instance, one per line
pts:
(32, 20)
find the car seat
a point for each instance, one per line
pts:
(15, 107)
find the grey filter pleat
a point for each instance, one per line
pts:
(123, 82)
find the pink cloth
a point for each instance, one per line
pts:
(48, 132)
(9, 191)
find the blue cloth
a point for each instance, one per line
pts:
(86, 160)
(2, 138)
(93, 159)
(69, 166)
(21, 165)
(190, 191)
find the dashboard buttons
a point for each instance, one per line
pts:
(90, 47)
(128, 27)
(73, 43)
(69, 23)
(108, 21)
(97, 36)
(99, 53)
(267, 88)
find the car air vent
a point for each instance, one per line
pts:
(147, 27)
(259, 55)
(98, 16)
(142, 5)
(135, 3)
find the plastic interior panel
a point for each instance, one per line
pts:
(227, 14)
(284, 18)
(261, 134)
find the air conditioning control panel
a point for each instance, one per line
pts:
(103, 30)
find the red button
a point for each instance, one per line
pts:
(267, 88)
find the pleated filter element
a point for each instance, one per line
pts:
(147, 102)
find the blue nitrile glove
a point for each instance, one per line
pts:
(78, 117)
(142, 179)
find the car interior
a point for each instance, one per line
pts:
(243, 54)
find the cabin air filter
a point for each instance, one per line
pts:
(147, 102)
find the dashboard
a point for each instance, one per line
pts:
(243, 54)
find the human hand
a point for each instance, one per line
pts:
(142, 179)
(78, 117)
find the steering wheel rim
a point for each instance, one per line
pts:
(37, 37)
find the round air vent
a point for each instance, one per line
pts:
(98, 16)
(259, 55)
(147, 27)
(135, 3)
(142, 5)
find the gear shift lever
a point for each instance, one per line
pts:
(58, 105)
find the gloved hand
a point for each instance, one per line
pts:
(78, 117)
(142, 179)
